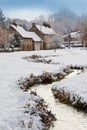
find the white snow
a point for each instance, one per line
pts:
(26, 34)
(76, 85)
(13, 67)
(45, 30)
(73, 35)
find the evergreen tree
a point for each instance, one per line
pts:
(16, 41)
(2, 19)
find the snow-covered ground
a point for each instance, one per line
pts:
(12, 99)
(13, 67)
(76, 85)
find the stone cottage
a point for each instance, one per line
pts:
(3, 37)
(72, 39)
(30, 40)
(45, 32)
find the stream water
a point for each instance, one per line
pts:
(67, 117)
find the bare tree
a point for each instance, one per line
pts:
(83, 30)
(61, 20)
(40, 19)
(2, 19)
(55, 41)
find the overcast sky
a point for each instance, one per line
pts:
(29, 9)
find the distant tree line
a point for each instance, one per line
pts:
(66, 21)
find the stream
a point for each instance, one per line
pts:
(67, 117)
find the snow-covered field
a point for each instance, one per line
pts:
(13, 67)
(12, 99)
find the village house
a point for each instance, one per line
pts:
(44, 31)
(3, 37)
(72, 38)
(30, 40)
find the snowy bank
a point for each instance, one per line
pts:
(12, 99)
(73, 91)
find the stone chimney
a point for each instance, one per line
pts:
(14, 23)
(33, 24)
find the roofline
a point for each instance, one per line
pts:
(25, 31)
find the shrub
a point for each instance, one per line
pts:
(35, 57)
(39, 109)
(60, 76)
(46, 78)
(75, 101)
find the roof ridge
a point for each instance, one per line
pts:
(26, 34)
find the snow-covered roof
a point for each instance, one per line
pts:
(73, 34)
(26, 34)
(45, 30)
